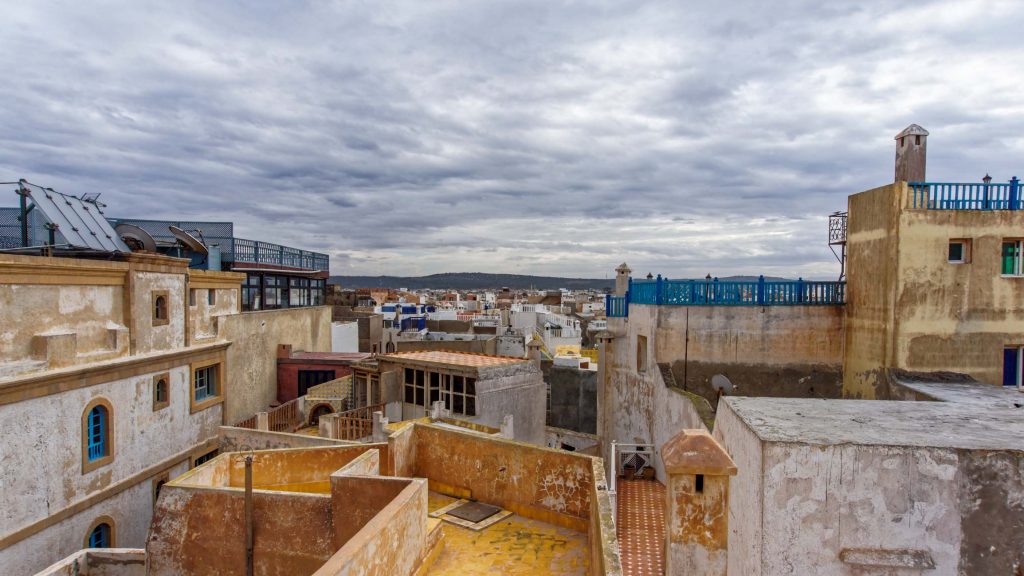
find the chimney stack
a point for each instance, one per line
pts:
(911, 148)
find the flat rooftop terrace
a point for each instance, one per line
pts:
(882, 423)
(968, 392)
(515, 545)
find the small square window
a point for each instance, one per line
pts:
(957, 252)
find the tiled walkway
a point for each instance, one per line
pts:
(641, 527)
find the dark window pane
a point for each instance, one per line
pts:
(470, 406)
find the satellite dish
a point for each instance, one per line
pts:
(136, 238)
(722, 384)
(188, 240)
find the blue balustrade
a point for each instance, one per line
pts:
(662, 291)
(966, 196)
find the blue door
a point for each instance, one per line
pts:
(1010, 367)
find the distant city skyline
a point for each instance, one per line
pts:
(541, 138)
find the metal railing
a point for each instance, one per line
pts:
(616, 306)
(258, 252)
(251, 423)
(662, 291)
(967, 196)
(358, 423)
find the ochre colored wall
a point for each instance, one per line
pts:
(541, 483)
(909, 308)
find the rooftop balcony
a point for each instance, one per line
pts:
(256, 252)
(966, 195)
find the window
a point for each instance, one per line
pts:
(414, 386)
(158, 484)
(1012, 363)
(310, 378)
(97, 426)
(211, 297)
(161, 391)
(1011, 258)
(101, 533)
(207, 386)
(959, 251)
(459, 395)
(641, 353)
(200, 460)
(161, 301)
(699, 484)
(252, 291)
(298, 293)
(275, 292)
(191, 296)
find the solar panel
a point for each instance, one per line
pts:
(80, 223)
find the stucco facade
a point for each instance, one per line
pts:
(909, 307)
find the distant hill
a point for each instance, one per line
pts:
(472, 281)
(482, 281)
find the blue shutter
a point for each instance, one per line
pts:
(97, 431)
(100, 537)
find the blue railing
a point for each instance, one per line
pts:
(258, 252)
(967, 196)
(761, 292)
(616, 306)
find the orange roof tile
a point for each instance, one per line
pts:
(467, 359)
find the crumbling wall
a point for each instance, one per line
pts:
(516, 389)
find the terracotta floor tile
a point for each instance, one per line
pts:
(641, 527)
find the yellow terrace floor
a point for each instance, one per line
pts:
(515, 545)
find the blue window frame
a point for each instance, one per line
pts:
(205, 383)
(100, 536)
(97, 431)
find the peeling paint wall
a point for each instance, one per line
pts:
(637, 406)
(203, 318)
(145, 335)
(550, 485)
(795, 507)
(131, 511)
(45, 437)
(909, 308)
(293, 532)
(252, 357)
(87, 311)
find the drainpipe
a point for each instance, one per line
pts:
(248, 516)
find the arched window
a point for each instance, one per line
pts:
(97, 435)
(161, 302)
(160, 308)
(97, 427)
(101, 533)
(100, 536)
(161, 391)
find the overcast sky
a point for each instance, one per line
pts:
(521, 137)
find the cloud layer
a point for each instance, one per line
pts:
(529, 137)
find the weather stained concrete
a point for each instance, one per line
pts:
(515, 545)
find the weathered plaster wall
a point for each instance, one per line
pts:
(203, 318)
(45, 436)
(764, 351)
(241, 439)
(696, 526)
(88, 311)
(638, 407)
(252, 356)
(573, 399)
(795, 507)
(100, 562)
(393, 543)
(518, 390)
(909, 308)
(292, 532)
(145, 336)
(550, 485)
(745, 491)
(130, 510)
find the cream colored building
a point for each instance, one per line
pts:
(115, 375)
